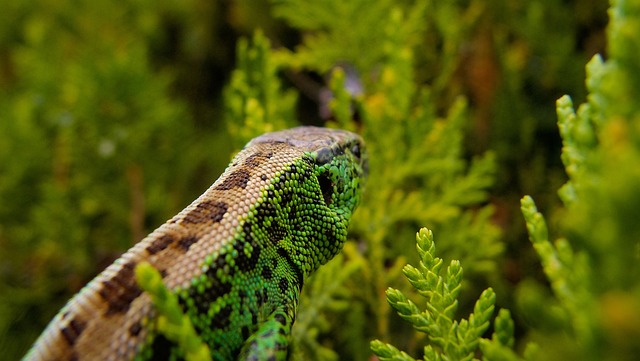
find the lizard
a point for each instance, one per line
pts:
(236, 257)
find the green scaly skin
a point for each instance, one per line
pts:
(236, 258)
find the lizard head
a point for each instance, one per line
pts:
(328, 169)
(339, 159)
(341, 170)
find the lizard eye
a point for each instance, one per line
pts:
(326, 187)
(355, 150)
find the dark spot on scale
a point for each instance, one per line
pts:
(307, 159)
(207, 211)
(294, 213)
(276, 232)
(239, 247)
(263, 177)
(283, 285)
(186, 242)
(120, 290)
(217, 264)
(203, 297)
(266, 273)
(222, 319)
(329, 235)
(237, 179)
(212, 274)
(248, 262)
(243, 261)
(278, 186)
(247, 229)
(202, 301)
(159, 244)
(294, 267)
(255, 159)
(262, 296)
(135, 329)
(286, 199)
(72, 331)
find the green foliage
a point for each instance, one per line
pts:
(81, 109)
(171, 322)
(593, 270)
(569, 274)
(341, 32)
(326, 291)
(449, 339)
(254, 101)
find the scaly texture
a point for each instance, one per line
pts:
(236, 257)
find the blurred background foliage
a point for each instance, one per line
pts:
(115, 115)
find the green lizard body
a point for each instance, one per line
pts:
(236, 258)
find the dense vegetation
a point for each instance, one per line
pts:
(114, 116)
